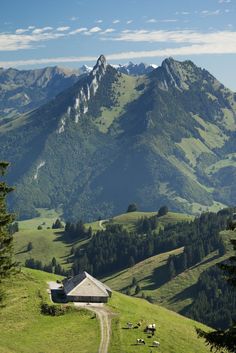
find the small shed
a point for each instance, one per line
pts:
(86, 288)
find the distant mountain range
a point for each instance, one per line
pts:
(25, 90)
(166, 137)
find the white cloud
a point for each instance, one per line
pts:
(63, 28)
(95, 30)
(210, 13)
(152, 20)
(78, 30)
(108, 30)
(13, 42)
(116, 21)
(178, 36)
(168, 20)
(184, 13)
(73, 18)
(22, 30)
(41, 30)
(226, 44)
(129, 21)
(224, 1)
(99, 21)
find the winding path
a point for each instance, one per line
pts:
(104, 316)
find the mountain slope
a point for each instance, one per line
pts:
(111, 139)
(24, 90)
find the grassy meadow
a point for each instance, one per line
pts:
(175, 333)
(25, 330)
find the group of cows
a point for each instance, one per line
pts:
(151, 328)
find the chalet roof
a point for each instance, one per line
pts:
(84, 284)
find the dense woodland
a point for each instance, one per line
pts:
(215, 301)
(115, 248)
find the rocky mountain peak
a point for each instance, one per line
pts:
(178, 74)
(100, 67)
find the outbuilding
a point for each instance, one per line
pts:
(85, 288)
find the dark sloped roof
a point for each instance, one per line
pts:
(81, 280)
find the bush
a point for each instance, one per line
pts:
(55, 310)
(132, 207)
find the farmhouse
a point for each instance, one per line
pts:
(85, 288)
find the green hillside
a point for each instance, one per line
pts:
(175, 294)
(175, 333)
(49, 243)
(129, 220)
(166, 138)
(25, 330)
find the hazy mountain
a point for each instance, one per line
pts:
(24, 90)
(111, 139)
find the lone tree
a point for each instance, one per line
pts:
(132, 207)
(6, 260)
(224, 339)
(163, 210)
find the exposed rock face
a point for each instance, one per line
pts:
(88, 90)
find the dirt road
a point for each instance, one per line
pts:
(104, 316)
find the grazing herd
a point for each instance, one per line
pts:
(149, 329)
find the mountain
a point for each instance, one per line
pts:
(135, 69)
(24, 90)
(111, 139)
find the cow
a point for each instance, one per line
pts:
(129, 325)
(150, 328)
(156, 344)
(140, 341)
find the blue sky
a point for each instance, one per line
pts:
(75, 32)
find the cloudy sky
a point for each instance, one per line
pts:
(71, 33)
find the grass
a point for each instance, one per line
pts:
(46, 219)
(49, 243)
(147, 273)
(175, 333)
(175, 294)
(25, 330)
(124, 91)
(130, 219)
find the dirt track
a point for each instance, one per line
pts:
(104, 316)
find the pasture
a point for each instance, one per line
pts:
(25, 330)
(175, 333)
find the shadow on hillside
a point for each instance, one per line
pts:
(206, 261)
(63, 237)
(158, 277)
(187, 293)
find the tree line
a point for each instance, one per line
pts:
(115, 248)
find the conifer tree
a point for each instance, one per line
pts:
(224, 339)
(6, 261)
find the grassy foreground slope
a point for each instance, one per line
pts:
(175, 333)
(25, 330)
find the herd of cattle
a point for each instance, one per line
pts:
(149, 329)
